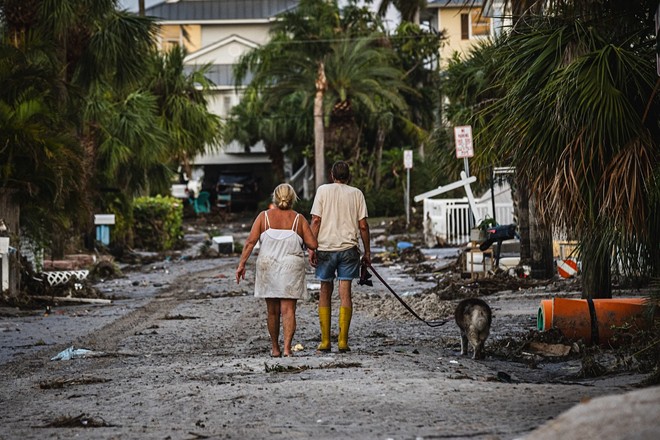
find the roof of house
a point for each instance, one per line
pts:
(207, 10)
(453, 4)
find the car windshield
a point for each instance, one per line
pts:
(228, 179)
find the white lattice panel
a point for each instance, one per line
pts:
(62, 276)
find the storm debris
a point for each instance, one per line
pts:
(61, 383)
(175, 317)
(73, 353)
(80, 421)
(591, 368)
(278, 368)
(553, 350)
(341, 365)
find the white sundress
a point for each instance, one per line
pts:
(280, 264)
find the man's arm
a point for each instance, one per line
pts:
(315, 226)
(365, 236)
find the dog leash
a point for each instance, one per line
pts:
(364, 279)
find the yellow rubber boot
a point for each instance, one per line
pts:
(324, 320)
(345, 314)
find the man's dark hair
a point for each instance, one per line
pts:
(341, 172)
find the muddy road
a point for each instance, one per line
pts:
(183, 353)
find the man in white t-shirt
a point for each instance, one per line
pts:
(339, 217)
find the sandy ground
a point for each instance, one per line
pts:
(183, 353)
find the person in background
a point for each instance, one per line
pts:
(280, 270)
(339, 217)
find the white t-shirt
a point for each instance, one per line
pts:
(340, 207)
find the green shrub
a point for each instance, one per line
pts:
(157, 223)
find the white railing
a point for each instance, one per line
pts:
(448, 220)
(302, 181)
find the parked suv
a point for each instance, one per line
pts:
(243, 188)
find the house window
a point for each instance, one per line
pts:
(227, 104)
(474, 25)
(171, 36)
(465, 26)
(480, 25)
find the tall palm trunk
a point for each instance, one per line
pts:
(521, 198)
(535, 235)
(596, 275)
(540, 239)
(319, 146)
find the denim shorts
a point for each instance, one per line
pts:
(344, 264)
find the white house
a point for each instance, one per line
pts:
(218, 33)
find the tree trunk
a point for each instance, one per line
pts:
(521, 198)
(141, 8)
(596, 260)
(277, 160)
(319, 147)
(540, 242)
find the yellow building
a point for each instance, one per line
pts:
(464, 23)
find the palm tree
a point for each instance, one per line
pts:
(301, 39)
(468, 86)
(362, 79)
(335, 74)
(252, 121)
(92, 47)
(39, 152)
(182, 106)
(130, 112)
(579, 120)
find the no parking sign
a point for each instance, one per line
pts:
(463, 140)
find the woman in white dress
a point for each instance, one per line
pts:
(280, 273)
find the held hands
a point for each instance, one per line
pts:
(313, 260)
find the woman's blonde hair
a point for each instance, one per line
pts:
(284, 196)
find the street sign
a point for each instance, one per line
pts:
(407, 159)
(463, 140)
(408, 164)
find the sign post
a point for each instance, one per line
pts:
(464, 147)
(408, 164)
(464, 150)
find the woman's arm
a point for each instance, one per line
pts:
(250, 243)
(306, 233)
